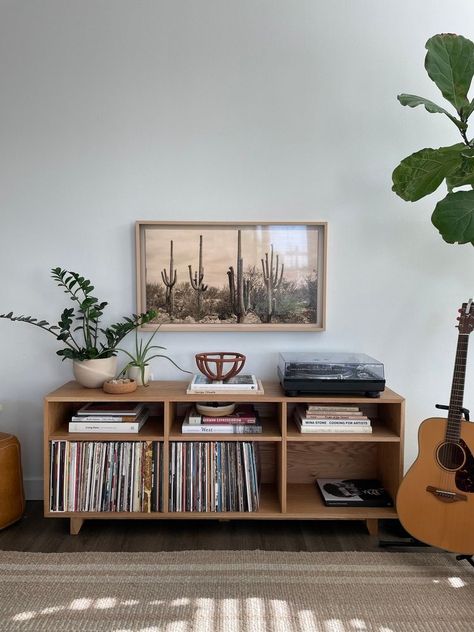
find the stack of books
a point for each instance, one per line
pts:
(106, 476)
(214, 476)
(244, 420)
(238, 384)
(114, 417)
(335, 418)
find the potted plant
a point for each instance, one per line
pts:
(138, 368)
(92, 348)
(449, 62)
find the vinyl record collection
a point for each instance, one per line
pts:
(214, 476)
(106, 476)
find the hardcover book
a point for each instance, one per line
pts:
(355, 492)
(333, 427)
(316, 408)
(221, 428)
(242, 382)
(104, 409)
(102, 427)
(243, 414)
(84, 424)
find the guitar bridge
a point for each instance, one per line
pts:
(445, 495)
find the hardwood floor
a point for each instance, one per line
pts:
(35, 533)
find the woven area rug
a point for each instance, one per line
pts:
(249, 591)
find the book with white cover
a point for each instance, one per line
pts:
(238, 382)
(223, 388)
(333, 428)
(336, 429)
(333, 422)
(126, 427)
(221, 429)
(323, 408)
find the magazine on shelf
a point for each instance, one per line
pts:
(357, 492)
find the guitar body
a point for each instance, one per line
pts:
(435, 504)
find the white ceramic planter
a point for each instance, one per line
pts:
(135, 373)
(93, 373)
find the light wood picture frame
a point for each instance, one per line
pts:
(232, 276)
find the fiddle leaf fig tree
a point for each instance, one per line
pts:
(449, 62)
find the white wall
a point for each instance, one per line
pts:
(247, 110)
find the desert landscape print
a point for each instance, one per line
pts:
(224, 275)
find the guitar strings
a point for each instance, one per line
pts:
(454, 420)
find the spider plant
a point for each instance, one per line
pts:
(143, 354)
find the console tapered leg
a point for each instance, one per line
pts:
(75, 525)
(372, 526)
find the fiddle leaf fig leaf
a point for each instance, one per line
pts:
(421, 173)
(465, 174)
(413, 101)
(454, 217)
(449, 62)
(469, 110)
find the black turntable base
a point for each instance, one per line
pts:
(328, 380)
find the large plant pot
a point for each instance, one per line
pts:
(93, 373)
(135, 373)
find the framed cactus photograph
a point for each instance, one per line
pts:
(220, 276)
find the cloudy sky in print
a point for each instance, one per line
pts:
(297, 247)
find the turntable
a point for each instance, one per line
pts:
(326, 373)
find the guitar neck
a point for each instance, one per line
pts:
(453, 430)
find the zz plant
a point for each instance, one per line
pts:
(78, 327)
(449, 62)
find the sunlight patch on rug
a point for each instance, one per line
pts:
(249, 591)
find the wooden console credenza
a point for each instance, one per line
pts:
(290, 461)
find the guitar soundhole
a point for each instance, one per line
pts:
(451, 456)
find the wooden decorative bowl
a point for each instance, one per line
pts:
(215, 409)
(220, 359)
(116, 387)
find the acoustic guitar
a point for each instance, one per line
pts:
(435, 501)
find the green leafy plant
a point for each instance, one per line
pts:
(79, 326)
(449, 62)
(144, 354)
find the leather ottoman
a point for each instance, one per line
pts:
(12, 498)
